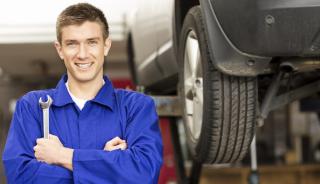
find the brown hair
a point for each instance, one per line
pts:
(77, 14)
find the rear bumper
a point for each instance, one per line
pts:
(244, 35)
(271, 28)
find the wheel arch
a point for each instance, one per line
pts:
(228, 59)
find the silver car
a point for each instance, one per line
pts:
(230, 61)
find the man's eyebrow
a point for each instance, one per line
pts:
(66, 41)
(94, 38)
(75, 41)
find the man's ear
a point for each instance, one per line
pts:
(107, 46)
(58, 47)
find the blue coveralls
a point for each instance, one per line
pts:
(113, 112)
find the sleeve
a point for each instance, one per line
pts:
(139, 163)
(19, 161)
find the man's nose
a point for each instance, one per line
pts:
(83, 52)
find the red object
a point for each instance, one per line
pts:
(168, 172)
(123, 83)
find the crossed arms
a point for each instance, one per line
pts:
(52, 151)
(139, 163)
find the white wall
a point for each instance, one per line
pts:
(34, 20)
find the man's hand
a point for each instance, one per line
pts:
(48, 150)
(51, 151)
(115, 143)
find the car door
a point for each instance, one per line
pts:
(144, 37)
(164, 29)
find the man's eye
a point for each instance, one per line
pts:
(70, 44)
(92, 42)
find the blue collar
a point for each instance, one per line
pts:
(104, 97)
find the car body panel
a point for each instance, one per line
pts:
(152, 38)
(271, 27)
(165, 52)
(243, 36)
(144, 38)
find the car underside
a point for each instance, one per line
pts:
(237, 61)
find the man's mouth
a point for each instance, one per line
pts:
(84, 65)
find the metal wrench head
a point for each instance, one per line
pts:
(47, 104)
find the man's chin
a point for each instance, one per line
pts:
(83, 78)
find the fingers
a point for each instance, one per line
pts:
(35, 148)
(121, 146)
(115, 143)
(117, 140)
(52, 140)
(53, 137)
(40, 140)
(36, 153)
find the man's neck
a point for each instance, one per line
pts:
(85, 90)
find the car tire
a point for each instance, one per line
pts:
(219, 110)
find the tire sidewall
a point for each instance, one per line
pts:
(198, 148)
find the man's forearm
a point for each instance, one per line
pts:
(65, 159)
(52, 151)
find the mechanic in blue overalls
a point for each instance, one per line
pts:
(98, 134)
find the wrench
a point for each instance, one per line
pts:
(45, 110)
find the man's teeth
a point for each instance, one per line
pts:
(83, 65)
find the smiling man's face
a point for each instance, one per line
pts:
(83, 49)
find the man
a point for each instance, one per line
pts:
(98, 134)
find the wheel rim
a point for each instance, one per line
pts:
(193, 86)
